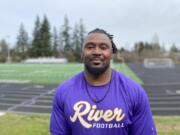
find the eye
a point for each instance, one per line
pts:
(89, 46)
(104, 46)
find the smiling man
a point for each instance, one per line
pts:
(100, 100)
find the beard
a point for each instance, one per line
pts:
(96, 71)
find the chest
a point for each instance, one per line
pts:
(112, 113)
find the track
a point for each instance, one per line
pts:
(26, 98)
(162, 87)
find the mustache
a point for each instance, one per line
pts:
(96, 58)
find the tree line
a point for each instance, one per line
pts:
(144, 50)
(46, 41)
(66, 42)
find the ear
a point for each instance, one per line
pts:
(112, 54)
(82, 56)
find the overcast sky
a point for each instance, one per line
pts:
(128, 20)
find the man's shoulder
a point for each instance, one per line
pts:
(72, 82)
(124, 79)
(127, 82)
(66, 88)
(134, 92)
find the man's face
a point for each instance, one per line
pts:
(97, 53)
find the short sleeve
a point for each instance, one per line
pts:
(58, 124)
(142, 120)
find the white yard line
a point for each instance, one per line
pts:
(166, 108)
(39, 86)
(26, 88)
(169, 92)
(29, 105)
(162, 84)
(19, 99)
(15, 81)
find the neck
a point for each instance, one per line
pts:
(98, 80)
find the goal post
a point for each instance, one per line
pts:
(158, 63)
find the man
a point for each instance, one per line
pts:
(100, 100)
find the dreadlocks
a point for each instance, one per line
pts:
(97, 30)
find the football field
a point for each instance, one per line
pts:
(49, 73)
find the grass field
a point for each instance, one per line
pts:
(50, 73)
(14, 124)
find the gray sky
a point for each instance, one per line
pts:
(128, 20)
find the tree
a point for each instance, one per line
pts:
(122, 50)
(22, 44)
(3, 50)
(174, 48)
(76, 42)
(66, 38)
(82, 32)
(139, 47)
(78, 39)
(60, 39)
(155, 42)
(66, 35)
(41, 44)
(36, 42)
(45, 38)
(148, 46)
(55, 43)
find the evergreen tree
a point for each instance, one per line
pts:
(139, 47)
(78, 39)
(66, 35)
(22, 44)
(155, 42)
(82, 32)
(163, 49)
(3, 50)
(60, 39)
(45, 39)
(148, 46)
(55, 42)
(36, 42)
(60, 43)
(122, 50)
(174, 48)
(76, 42)
(66, 38)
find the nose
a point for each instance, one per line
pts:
(97, 51)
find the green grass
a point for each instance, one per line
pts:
(39, 73)
(50, 73)
(15, 124)
(168, 125)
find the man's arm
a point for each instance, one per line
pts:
(58, 124)
(142, 121)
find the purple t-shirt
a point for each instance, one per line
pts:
(124, 111)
